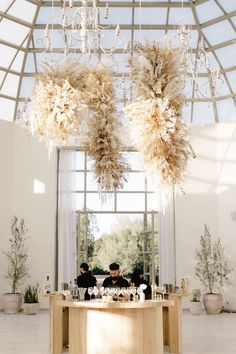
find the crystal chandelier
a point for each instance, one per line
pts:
(202, 63)
(80, 28)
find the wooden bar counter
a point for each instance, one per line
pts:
(114, 328)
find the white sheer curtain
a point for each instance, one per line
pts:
(67, 269)
(167, 252)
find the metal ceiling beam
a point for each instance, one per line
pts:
(57, 26)
(196, 99)
(24, 60)
(225, 13)
(9, 71)
(218, 19)
(8, 97)
(120, 74)
(201, 34)
(12, 45)
(221, 45)
(16, 20)
(123, 3)
(121, 51)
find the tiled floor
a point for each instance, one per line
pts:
(204, 334)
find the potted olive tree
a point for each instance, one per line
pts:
(17, 269)
(212, 269)
(195, 302)
(31, 303)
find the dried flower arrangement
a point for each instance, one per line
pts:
(79, 100)
(57, 109)
(156, 114)
(103, 142)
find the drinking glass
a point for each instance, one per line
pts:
(90, 292)
(95, 291)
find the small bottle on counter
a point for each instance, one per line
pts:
(47, 286)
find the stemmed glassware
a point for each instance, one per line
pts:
(95, 291)
(90, 292)
(163, 291)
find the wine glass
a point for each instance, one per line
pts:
(102, 291)
(95, 291)
(90, 292)
(163, 291)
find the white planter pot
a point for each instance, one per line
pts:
(195, 307)
(31, 309)
(213, 303)
(11, 303)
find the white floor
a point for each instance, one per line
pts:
(202, 334)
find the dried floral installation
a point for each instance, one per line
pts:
(159, 131)
(103, 142)
(57, 108)
(79, 100)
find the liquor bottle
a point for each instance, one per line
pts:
(47, 286)
(75, 290)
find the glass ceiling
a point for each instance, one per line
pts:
(22, 28)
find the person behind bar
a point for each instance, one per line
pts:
(137, 279)
(115, 280)
(86, 279)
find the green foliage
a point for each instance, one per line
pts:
(196, 295)
(88, 229)
(212, 267)
(17, 256)
(123, 245)
(31, 294)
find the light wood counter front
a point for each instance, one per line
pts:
(115, 328)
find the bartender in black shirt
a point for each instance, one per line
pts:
(115, 280)
(86, 279)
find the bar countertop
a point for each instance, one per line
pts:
(99, 304)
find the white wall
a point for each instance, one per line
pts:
(29, 191)
(210, 198)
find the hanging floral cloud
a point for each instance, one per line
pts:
(159, 130)
(77, 100)
(57, 108)
(103, 142)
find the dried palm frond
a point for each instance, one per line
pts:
(103, 142)
(159, 131)
(57, 108)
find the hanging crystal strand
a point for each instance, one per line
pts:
(71, 3)
(84, 27)
(106, 13)
(117, 30)
(48, 38)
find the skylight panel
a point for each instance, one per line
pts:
(219, 32)
(232, 79)
(109, 38)
(7, 55)
(29, 65)
(26, 87)
(121, 15)
(10, 85)
(203, 112)
(27, 14)
(13, 32)
(2, 75)
(4, 4)
(177, 15)
(18, 61)
(150, 16)
(207, 11)
(228, 5)
(148, 36)
(7, 108)
(47, 15)
(227, 55)
(226, 110)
